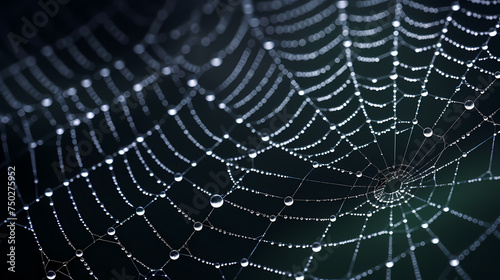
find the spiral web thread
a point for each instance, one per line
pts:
(391, 115)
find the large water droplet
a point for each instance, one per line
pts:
(140, 211)
(111, 231)
(51, 274)
(192, 82)
(244, 262)
(342, 4)
(469, 105)
(427, 132)
(174, 254)
(216, 62)
(298, 275)
(252, 153)
(288, 201)
(269, 45)
(316, 247)
(79, 253)
(109, 159)
(178, 177)
(85, 173)
(48, 192)
(46, 102)
(198, 226)
(216, 201)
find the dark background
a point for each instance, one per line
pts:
(187, 23)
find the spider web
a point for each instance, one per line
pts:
(257, 140)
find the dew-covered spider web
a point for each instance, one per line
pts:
(254, 139)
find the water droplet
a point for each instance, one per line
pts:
(48, 192)
(111, 231)
(454, 262)
(493, 32)
(414, 121)
(172, 111)
(427, 132)
(469, 63)
(435, 240)
(79, 253)
(269, 45)
(46, 102)
(104, 72)
(425, 225)
(216, 201)
(140, 211)
(315, 164)
(192, 82)
(298, 275)
(288, 201)
(86, 83)
(85, 173)
(174, 254)
(137, 87)
(216, 62)
(244, 262)
(424, 92)
(469, 105)
(301, 92)
(178, 177)
(198, 226)
(210, 97)
(359, 174)
(347, 43)
(455, 6)
(396, 23)
(389, 264)
(265, 137)
(497, 75)
(342, 4)
(316, 247)
(109, 159)
(51, 275)
(166, 70)
(272, 218)
(333, 218)
(163, 194)
(252, 153)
